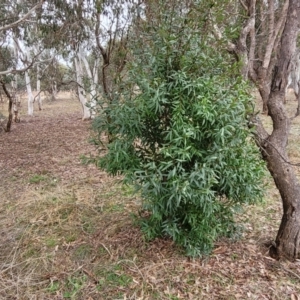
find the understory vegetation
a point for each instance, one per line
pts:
(182, 138)
(67, 230)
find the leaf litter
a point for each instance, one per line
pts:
(67, 229)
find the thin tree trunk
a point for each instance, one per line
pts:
(53, 91)
(298, 100)
(29, 94)
(15, 83)
(15, 98)
(10, 105)
(81, 91)
(38, 87)
(93, 80)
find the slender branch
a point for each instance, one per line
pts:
(104, 54)
(252, 47)
(231, 47)
(8, 26)
(244, 5)
(273, 33)
(31, 64)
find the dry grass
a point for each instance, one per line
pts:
(67, 230)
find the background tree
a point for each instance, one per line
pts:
(6, 61)
(18, 31)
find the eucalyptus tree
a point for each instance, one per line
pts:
(273, 146)
(94, 39)
(79, 31)
(6, 62)
(273, 28)
(106, 25)
(15, 16)
(266, 48)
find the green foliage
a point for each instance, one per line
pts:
(37, 178)
(6, 58)
(53, 287)
(73, 286)
(112, 278)
(183, 138)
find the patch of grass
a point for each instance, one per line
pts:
(51, 242)
(31, 252)
(88, 225)
(234, 256)
(65, 212)
(73, 285)
(114, 208)
(13, 178)
(82, 252)
(37, 178)
(69, 238)
(44, 178)
(112, 278)
(128, 190)
(53, 287)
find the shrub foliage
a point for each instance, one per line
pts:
(181, 134)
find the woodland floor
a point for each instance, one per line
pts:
(67, 231)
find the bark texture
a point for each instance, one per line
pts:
(10, 105)
(287, 242)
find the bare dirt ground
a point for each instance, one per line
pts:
(66, 230)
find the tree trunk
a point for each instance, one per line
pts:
(29, 94)
(298, 100)
(287, 242)
(93, 81)
(274, 151)
(38, 87)
(81, 91)
(16, 100)
(53, 91)
(15, 83)
(10, 105)
(264, 92)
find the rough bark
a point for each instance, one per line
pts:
(264, 91)
(258, 43)
(298, 100)
(287, 242)
(272, 33)
(10, 105)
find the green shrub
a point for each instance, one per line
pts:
(183, 138)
